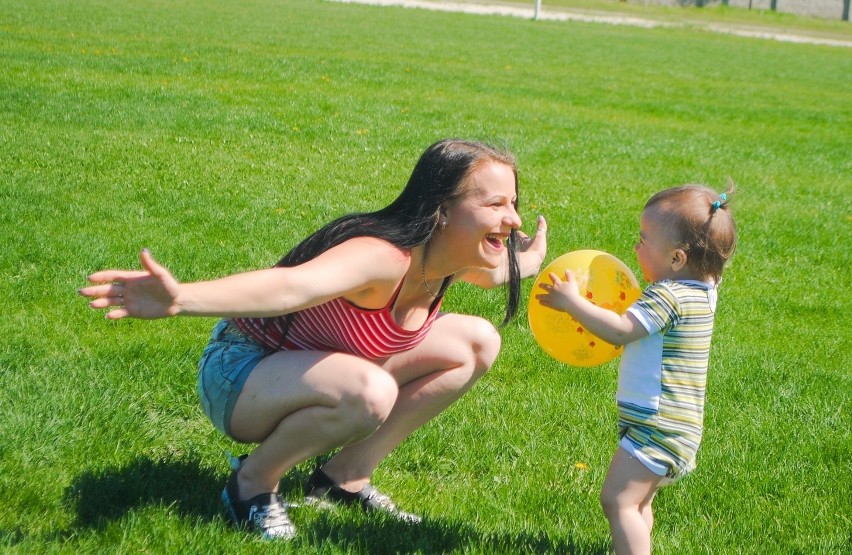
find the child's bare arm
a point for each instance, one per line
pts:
(618, 329)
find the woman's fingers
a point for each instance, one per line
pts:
(105, 276)
(107, 301)
(115, 290)
(149, 263)
(138, 288)
(117, 314)
(105, 296)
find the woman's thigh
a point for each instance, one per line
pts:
(226, 362)
(288, 381)
(455, 341)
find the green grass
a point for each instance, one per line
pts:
(218, 134)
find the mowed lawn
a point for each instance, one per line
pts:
(218, 134)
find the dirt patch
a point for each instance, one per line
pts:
(566, 14)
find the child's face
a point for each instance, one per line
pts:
(655, 251)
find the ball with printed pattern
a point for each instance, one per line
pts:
(603, 279)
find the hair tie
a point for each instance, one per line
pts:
(717, 204)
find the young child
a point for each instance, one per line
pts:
(686, 236)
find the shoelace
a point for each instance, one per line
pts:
(385, 502)
(382, 500)
(269, 517)
(273, 518)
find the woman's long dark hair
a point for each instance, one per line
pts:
(411, 219)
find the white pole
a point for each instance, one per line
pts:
(537, 8)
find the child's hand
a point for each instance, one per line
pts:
(560, 295)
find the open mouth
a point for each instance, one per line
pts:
(495, 240)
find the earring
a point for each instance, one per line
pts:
(443, 225)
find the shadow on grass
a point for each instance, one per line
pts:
(381, 535)
(105, 495)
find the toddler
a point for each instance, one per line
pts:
(686, 236)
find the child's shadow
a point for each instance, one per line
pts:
(105, 495)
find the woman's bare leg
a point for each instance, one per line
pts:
(458, 351)
(299, 404)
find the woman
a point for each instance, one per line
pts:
(342, 343)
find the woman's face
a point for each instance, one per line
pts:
(479, 222)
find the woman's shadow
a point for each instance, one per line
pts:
(104, 495)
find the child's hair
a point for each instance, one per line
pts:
(700, 223)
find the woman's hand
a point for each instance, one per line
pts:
(148, 294)
(532, 250)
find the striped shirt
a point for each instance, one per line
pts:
(662, 377)
(342, 327)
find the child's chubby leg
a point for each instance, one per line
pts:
(626, 499)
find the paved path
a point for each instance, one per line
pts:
(566, 14)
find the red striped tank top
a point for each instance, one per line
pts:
(342, 327)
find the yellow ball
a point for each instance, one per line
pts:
(604, 280)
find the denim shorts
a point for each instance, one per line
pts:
(225, 364)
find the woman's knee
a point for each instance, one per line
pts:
(485, 343)
(370, 403)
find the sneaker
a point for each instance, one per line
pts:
(321, 489)
(266, 512)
